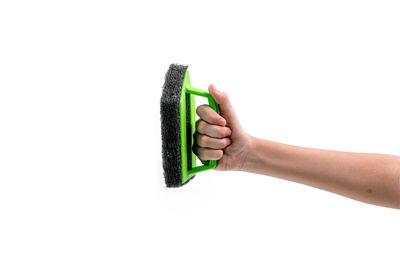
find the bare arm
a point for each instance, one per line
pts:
(371, 178)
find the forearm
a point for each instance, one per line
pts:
(371, 178)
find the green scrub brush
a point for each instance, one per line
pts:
(178, 126)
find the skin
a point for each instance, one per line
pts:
(367, 177)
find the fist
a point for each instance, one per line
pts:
(220, 136)
(212, 134)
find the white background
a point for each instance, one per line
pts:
(80, 145)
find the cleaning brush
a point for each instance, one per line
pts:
(178, 124)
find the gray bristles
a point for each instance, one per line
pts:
(170, 125)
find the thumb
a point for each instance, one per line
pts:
(225, 106)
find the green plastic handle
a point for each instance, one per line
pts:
(210, 164)
(187, 106)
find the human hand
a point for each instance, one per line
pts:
(220, 136)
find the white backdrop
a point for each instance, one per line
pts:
(80, 144)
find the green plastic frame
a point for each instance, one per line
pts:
(187, 88)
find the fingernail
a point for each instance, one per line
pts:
(229, 131)
(222, 121)
(215, 88)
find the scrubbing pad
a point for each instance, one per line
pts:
(170, 125)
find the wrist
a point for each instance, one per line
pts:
(249, 158)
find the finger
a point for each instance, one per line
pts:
(220, 97)
(207, 153)
(225, 106)
(212, 130)
(209, 142)
(209, 115)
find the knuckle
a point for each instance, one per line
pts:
(219, 154)
(199, 152)
(199, 109)
(200, 125)
(203, 140)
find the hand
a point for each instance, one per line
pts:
(221, 137)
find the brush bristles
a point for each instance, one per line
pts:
(170, 125)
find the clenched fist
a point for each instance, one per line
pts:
(220, 136)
